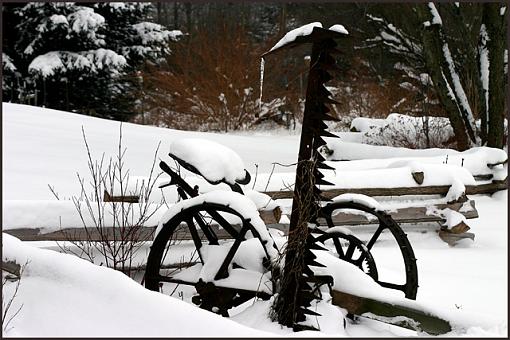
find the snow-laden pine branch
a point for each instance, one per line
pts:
(7, 63)
(93, 61)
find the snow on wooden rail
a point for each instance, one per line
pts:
(397, 179)
(488, 188)
(400, 215)
(477, 161)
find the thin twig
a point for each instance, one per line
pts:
(7, 307)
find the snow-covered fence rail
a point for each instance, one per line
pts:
(400, 215)
(409, 214)
(487, 188)
(91, 235)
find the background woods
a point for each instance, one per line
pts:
(197, 66)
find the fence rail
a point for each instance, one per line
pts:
(402, 215)
(488, 188)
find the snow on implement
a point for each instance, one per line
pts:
(315, 260)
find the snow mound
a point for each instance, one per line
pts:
(214, 161)
(474, 160)
(452, 218)
(350, 279)
(249, 256)
(79, 299)
(52, 215)
(261, 200)
(359, 198)
(363, 124)
(400, 175)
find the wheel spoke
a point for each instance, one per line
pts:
(223, 271)
(195, 237)
(374, 238)
(338, 247)
(350, 250)
(223, 223)
(329, 221)
(206, 229)
(392, 285)
(365, 261)
(361, 258)
(169, 279)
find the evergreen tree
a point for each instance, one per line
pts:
(81, 55)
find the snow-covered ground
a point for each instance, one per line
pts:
(65, 296)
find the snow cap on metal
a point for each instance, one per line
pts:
(302, 35)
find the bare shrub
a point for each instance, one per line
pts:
(361, 92)
(114, 230)
(7, 302)
(211, 82)
(412, 132)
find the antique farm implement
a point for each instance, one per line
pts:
(254, 263)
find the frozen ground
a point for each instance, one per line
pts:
(467, 283)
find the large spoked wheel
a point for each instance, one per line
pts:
(386, 223)
(351, 249)
(243, 259)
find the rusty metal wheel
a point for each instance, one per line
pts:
(385, 224)
(351, 249)
(212, 293)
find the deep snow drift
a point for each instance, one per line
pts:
(468, 282)
(66, 296)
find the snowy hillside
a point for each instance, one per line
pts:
(466, 283)
(43, 146)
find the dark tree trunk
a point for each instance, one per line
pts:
(283, 19)
(159, 11)
(435, 62)
(176, 15)
(495, 24)
(471, 60)
(187, 9)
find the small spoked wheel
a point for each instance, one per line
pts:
(217, 232)
(366, 258)
(351, 249)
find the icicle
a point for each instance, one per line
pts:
(262, 62)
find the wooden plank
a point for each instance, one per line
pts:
(395, 314)
(11, 267)
(93, 235)
(77, 234)
(453, 238)
(127, 199)
(488, 188)
(492, 165)
(404, 215)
